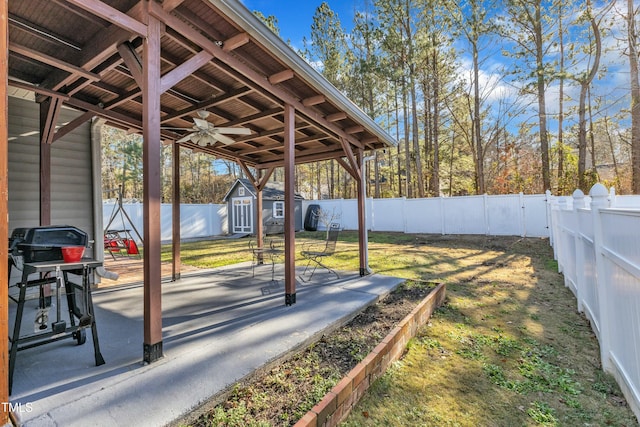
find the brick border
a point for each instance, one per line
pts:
(338, 403)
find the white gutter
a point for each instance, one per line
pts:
(236, 11)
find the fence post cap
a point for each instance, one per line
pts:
(578, 194)
(598, 190)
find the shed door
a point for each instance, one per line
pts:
(242, 215)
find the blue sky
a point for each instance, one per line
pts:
(296, 16)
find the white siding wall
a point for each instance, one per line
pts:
(71, 171)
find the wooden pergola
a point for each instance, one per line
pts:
(149, 66)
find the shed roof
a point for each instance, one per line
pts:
(272, 191)
(215, 56)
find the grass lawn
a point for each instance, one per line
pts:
(507, 349)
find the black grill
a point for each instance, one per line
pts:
(45, 243)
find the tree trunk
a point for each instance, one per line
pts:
(561, 189)
(542, 109)
(582, 128)
(635, 98)
(477, 131)
(435, 173)
(407, 149)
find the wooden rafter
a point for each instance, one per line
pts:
(109, 14)
(96, 51)
(184, 70)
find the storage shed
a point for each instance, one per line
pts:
(242, 208)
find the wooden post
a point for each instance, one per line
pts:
(4, 197)
(289, 206)
(45, 167)
(152, 346)
(362, 220)
(259, 216)
(176, 263)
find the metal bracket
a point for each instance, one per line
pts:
(152, 352)
(289, 299)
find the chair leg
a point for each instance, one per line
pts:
(318, 263)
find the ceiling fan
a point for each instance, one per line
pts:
(205, 133)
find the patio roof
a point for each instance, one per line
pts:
(215, 56)
(149, 67)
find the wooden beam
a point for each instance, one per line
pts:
(96, 51)
(175, 212)
(235, 42)
(45, 165)
(265, 178)
(313, 100)
(280, 77)
(37, 89)
(72, 125)
(347, 167)
(131, 60)
(152, 295)
(248, 172)
(169, 5)
(206, 104)
(247, 119)
(289, 206)
(107, 114)
(184, 70)
(351, 157)
(335, 117)
(54, 62)
(112, 15)
(48, 122)
(302, 158)
(362, 218)
(4, 211)
(354, 129)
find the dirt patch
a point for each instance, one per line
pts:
(283, 394)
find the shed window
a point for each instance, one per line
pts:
(278, 209)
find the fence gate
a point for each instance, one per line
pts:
(243, 215)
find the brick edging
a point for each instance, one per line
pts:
(338, 403)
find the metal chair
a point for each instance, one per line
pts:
(316, 256)
(257, 253)
(271, 249)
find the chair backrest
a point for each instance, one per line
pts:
(332, 238)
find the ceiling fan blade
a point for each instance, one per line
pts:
(222, 138)
(201, 124)
(185, 138)
(233, 131)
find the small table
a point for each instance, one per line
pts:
(59, 329)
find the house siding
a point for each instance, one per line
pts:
(71, 171)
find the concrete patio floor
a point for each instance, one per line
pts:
(219, 326)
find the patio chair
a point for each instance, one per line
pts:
(271, 249)
(315, 257)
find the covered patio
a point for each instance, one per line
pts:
(150, 67)
(220, 326)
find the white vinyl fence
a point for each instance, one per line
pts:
(509, 215)
(195, 220)
(596, 241)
